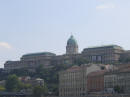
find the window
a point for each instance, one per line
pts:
(93, 58)
(99, 58)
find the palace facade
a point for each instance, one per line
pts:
(108, 54)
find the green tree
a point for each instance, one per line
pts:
(80, 61)
(24, 86)
(13, 84)
(50, 75)
(124, 59)
(20, 72)
(27, 86)
(117, 89)
(2, 88)
(39, 91)
(40, 71)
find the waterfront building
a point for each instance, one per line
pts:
(118, 78)
(95, 81)
(73, 81)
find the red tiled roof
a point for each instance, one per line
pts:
(74, 68)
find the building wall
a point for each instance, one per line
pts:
(32, 62)
(103, 54)
(118, 78)
(95, 81)
(110, 81)
(72, 49)
(73, 82)
(11, 65)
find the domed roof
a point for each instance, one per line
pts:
(72, 41)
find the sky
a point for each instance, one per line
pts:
(29, 26)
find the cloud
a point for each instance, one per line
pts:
(5, 45)
(105, 6)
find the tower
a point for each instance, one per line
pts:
(72, 46)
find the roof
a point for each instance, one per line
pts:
(39, 54)
(74, 68)
(104, 46)
(121, 69)
(72, 41)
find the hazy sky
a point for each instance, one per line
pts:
(28, 26)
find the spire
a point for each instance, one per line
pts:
(71, 34)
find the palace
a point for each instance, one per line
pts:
(108, 54)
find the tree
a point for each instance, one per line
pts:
(13, 84)
(50, 75)
(80, 61)
(27, 86)
(40, 71)
(124, 59)
(2, 88)
(117, 89)
(20, 72)
(39, 91)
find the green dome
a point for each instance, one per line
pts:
(72, 41)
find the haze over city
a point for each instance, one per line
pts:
(29, 26)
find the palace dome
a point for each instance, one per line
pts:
(72, 41)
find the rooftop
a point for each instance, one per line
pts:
(39, 54)
(72, 41)
(104, 46)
